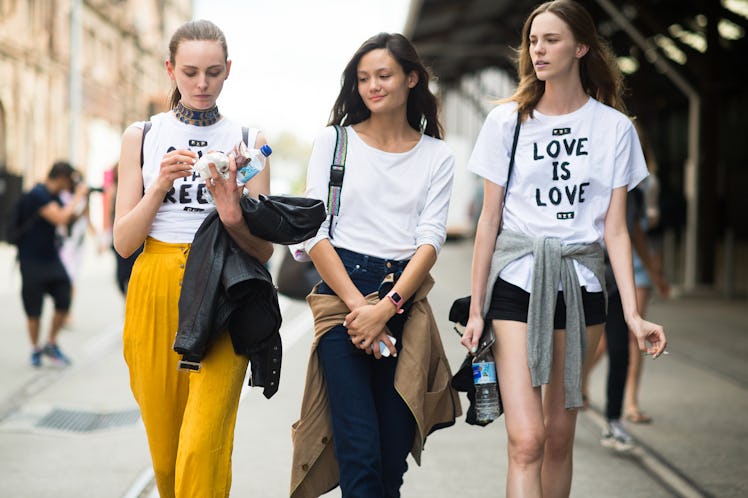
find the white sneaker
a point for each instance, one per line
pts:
(616, 437)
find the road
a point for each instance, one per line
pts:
(75, 432)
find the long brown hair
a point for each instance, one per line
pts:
(598, 70)
(194, 30)
(422, 111)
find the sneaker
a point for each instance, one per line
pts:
(616, 437)
(36, 358)
(54, 353)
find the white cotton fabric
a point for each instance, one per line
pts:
(187, 205)
(565, 170)
(391, 203)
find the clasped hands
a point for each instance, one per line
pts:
(366, 326)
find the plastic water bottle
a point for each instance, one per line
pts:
(255, 162)
(486, 387)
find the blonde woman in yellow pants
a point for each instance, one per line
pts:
(189, 417)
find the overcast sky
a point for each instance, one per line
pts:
(288, 55)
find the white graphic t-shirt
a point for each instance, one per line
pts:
(187, 204)
(565, 170)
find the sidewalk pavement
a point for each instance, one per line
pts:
(74, 432)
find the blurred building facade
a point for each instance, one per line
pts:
(74, 74)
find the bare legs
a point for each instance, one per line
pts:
(58, 319)
(540, 429)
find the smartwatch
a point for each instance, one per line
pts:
(397, 300)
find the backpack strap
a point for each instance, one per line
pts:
(337, 172)
(146, 127)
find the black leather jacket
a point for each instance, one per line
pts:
(224, 288)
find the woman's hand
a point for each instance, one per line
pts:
(366, 323)
(472, 334)
(648, 332)
(226, 193)
(375, 349)
(175, 164)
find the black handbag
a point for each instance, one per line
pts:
(296, 278)
(283, 219)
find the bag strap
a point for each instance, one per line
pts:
(488, 338)
(337, 172)
(146, 127)
(514, 149)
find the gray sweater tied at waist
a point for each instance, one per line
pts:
(553, 263)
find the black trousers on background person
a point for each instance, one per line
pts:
(617, 341)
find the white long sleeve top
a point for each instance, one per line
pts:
(391, 203)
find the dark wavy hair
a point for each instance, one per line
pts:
(422, 112)
(598, 70)
(194, 30)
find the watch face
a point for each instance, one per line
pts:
(396, 297)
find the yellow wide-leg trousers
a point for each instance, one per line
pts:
(189, 418)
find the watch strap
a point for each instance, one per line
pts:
(397, 300)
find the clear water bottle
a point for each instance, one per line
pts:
(250, 162)
(487, 406)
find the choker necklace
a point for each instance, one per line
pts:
(196, 117)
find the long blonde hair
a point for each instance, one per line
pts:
(598, 70)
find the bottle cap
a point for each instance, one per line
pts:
(266, 150)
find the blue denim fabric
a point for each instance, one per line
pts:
(373, 429)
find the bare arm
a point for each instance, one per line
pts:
(618, 244)
(62, 215)
(485, 242)
(134, 210)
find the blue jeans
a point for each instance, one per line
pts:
(373, 428)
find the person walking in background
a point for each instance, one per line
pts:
(617, 338)
(73, 236)
(123, 266)
(42, 270)
(647, 273)
(376, 352)
(540, 282)
(189, 418)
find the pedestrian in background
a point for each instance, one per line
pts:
(376, 353)
(42, 270)
(619, 343)
(123, 266)
(541, 280)
(189, 418)
(73, 236)
(647, 274)
(617, 338)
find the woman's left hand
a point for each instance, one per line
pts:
(648, 332)
(366, 323)
(226, 193)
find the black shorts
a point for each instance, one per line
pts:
(509, 302)
(40, 278)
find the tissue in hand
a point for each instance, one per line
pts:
(221, 161)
